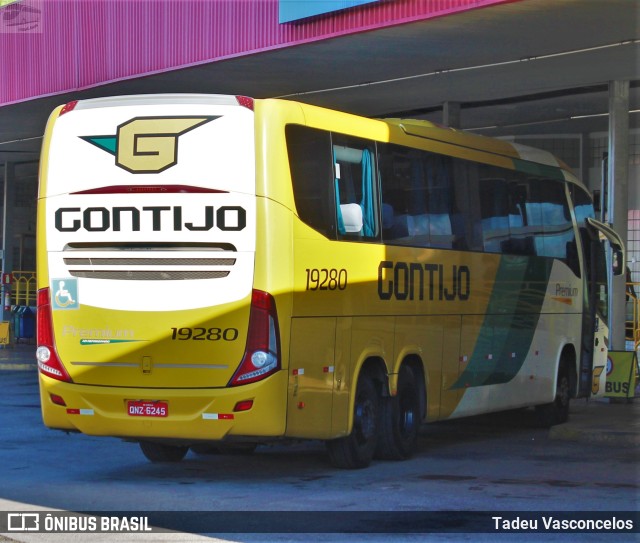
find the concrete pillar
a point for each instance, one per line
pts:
(8, 223)
(451, 115)
(618, 173)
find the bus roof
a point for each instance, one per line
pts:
(516, 151)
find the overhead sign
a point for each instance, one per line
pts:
(293, 10)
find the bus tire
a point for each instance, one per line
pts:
(400, 419)
(356, 450)
(556, 412)
(159, 452)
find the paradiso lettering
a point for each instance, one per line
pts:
(413, 281)
(101, 219)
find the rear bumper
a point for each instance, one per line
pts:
(193, 414)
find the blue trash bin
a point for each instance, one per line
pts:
(15, 320)
(27, 323)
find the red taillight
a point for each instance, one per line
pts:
(245, 101)
(262, 354)
(68, 107)
(48, 362)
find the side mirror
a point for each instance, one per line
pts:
(618, 262)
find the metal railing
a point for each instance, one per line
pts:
(632, 319)
(24, 288)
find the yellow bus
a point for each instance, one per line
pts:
(218, 271)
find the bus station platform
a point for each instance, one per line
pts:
(606, 421)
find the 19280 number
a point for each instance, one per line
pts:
(204, 334)
(326, 279)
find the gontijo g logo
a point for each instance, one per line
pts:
(147, 144)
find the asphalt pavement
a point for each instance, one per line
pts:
(607, 422)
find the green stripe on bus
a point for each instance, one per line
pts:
(538, 170)
(510, 322)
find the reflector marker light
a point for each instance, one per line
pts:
(245, 101)
(298, 371)
(329, 369)
(244, 405)
(217, 416)
(58, 400)
(88, 412)
(68, 107)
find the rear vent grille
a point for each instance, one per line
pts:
(136, 262)
(149, 261)
(148, 275)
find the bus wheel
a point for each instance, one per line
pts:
(158, 452)
(556, 412)
(400, 419)
(356, 450)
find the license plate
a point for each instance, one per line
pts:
(139, 408)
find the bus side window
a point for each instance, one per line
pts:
(552, 210)
(440, 199)
(355, 181)
(394, 166)
(424, 199)
(494, 210)
(466, 221)
(583, 208)
(311, 173)
(521, 235)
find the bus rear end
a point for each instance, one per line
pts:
(148, 324)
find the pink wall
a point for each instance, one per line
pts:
(75, 44)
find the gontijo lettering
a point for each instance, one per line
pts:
(411, 281)
(156, 218)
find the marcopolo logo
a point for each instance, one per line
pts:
(147, 144)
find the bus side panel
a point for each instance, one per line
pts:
(312, 369)
(423, 338)
(341, 406)
(511, 359)
(452, 362)
(371, 338)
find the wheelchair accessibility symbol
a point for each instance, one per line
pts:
(65, 294)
